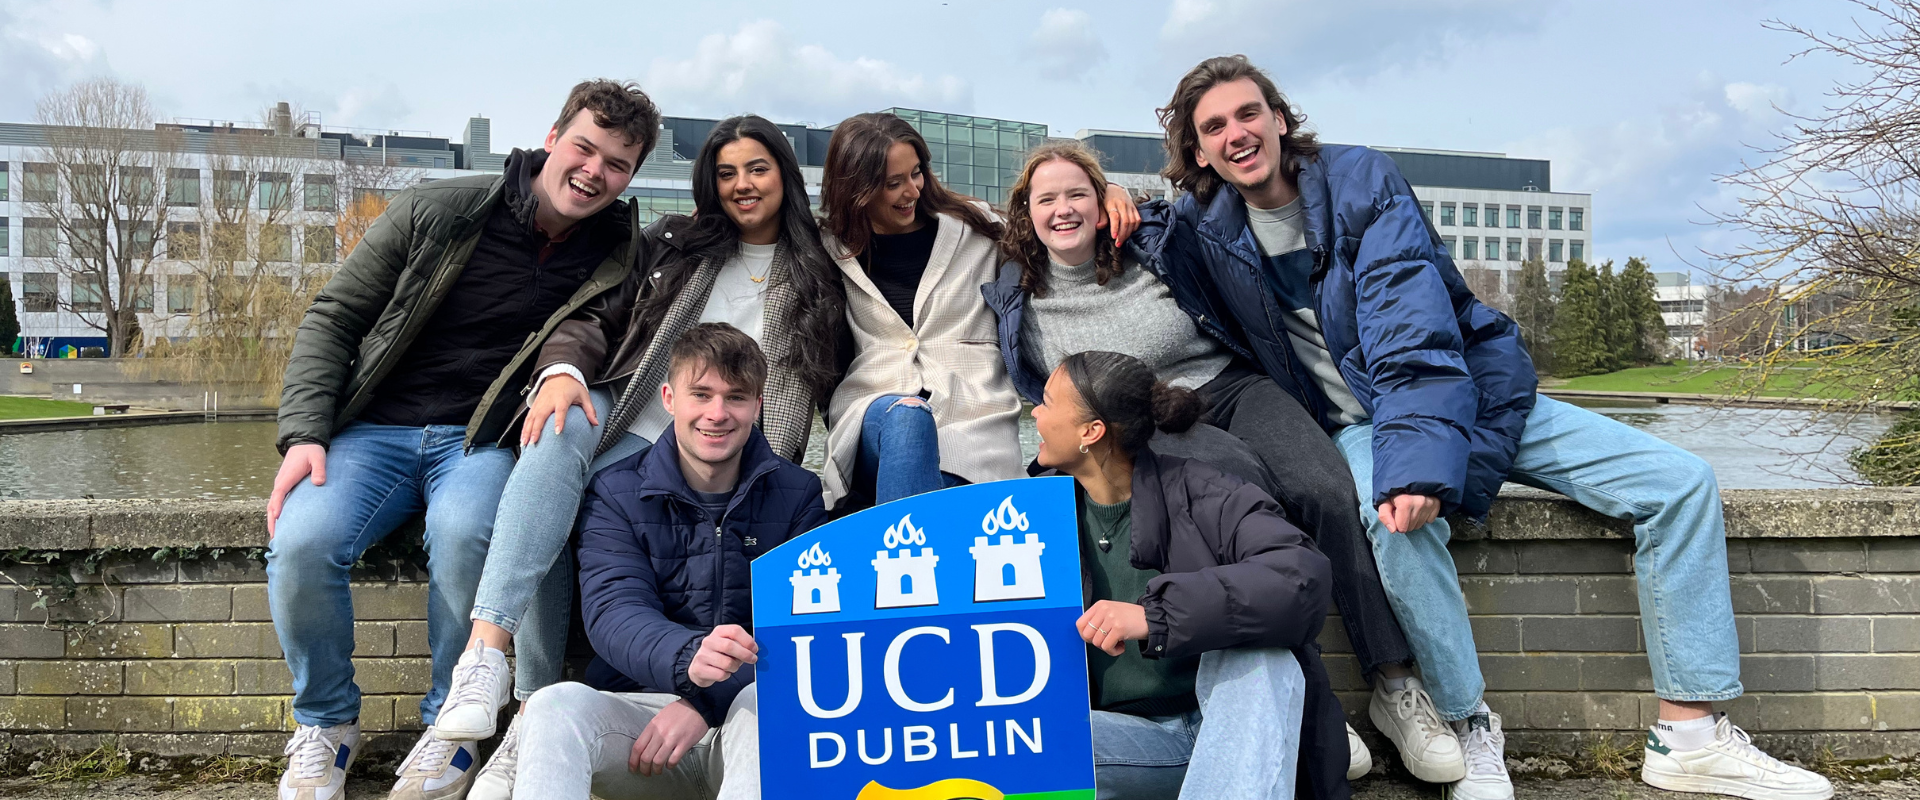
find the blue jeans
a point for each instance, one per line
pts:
(900, 450)
(1247, 745)
(378, 477)
(1679, 560)
(529, 572)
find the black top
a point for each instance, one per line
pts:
(895, 262)
(714, 502)
(512, 282)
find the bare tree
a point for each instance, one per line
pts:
(97, 190)
(1834, 219)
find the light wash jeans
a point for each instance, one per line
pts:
(1247, 747)
(900, 450)
(378, 476)
(527, 586)
(1679, 560)
(576, 739)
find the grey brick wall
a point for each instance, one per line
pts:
(179, 656)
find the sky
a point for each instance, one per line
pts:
(1642, 104)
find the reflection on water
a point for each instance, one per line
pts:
(1748, 448)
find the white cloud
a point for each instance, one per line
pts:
(1065, 44)
(1362, 36)
(1757, 100)
(38, 61)
(759, 69)
(71, 47)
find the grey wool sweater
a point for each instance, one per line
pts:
(1134, 314)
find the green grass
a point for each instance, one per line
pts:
(36, 408)
(1683, 379)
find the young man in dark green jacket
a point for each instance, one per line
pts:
(393, 405)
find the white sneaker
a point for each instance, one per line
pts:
(1486, 751)
(496, 778)
(481, 686)
(1732, 766)
(1359, 758)
(1427, 745)
(436, 770)
(317, 762)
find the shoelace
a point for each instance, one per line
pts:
(309, 753)
(1419, 707)
(509, 752)
(429, 757)
(476, 682)
(1484, 751)
(1739, 743)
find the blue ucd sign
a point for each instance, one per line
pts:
(925, 650)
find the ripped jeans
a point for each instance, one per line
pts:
(899, 450)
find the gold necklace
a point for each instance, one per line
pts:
(759, 278)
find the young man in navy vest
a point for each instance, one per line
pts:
(1318, 259)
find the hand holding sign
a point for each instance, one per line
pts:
(721, 654)
(673, 731)
(1110, 624)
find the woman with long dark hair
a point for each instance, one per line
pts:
(751, 257)
(925, 403)
(1203, 603)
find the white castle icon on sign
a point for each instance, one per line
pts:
(907, 580)
(814, 593)
(1006, 571)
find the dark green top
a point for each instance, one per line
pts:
(1129, 683)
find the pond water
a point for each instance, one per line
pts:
(1748, 448)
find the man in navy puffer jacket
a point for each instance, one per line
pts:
(666, 541)
(1318, 261)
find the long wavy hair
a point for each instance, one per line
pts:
(816, 280)
(1020, 242)
(1182, 142)
(856, 173)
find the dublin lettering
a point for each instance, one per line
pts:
(919, 743)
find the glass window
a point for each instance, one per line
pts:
(141, 295)
(276, 191)
(1533, 217)
(1577, 250)
(1553, 219)
(1446, 214)
(40, 291)
(907, 114)
(319, 193)
(959, 173)
(136, 186)
(40, 184)
(42, 238)
(1513, 216)
(230, 188)
(1426, 210)
(1576, 217)
(1533, 249)
(183, 187)
(318, 246)
(183, 293)
(1554, 250)
(1470, 215)
(228, 242)
(4, 234)
(183, 240)
(1470, 247)
(925, 116)
(1513, 247)
(89, 241)
(3, 181)
(959, 154)
(937, 152)
(1493, 249)
(985, 137)
(276, 243)
(89, 295)
(1447, 242)
(985, 158)
(87, 181)
(1012, 140)
(933, 131)
(136, 240)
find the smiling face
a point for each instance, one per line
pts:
(1239, 137)
(1066, 211)
(895, 208)
(587, 168)
(712, 418)
(1061, 422)
(750, 189)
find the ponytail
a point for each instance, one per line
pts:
(1174, 409)
(1120, 391)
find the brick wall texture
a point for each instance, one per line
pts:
(180, 656)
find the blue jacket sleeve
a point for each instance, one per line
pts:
(620, 597)
(1424, 397)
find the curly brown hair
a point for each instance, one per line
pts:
(856, 171)
(618, 107)
(1020, 242)
(1182, 170)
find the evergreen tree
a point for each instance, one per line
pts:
(9, 324)
(1640, 307)
(1533, 309)
(1616, 330)
(1579, 332)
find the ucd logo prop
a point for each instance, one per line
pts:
(947, 671)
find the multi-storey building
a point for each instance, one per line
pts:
(1683, 306)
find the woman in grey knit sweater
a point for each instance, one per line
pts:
(1068, 288)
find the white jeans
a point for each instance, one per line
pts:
(576, 740)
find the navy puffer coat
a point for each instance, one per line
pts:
(1446, 380)
(657, 572)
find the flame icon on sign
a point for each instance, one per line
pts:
(815, 557)
(1004, 518)
(904, 534)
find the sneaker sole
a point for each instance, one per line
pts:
(1707, 784)
(1431, 773)
(458, 735)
